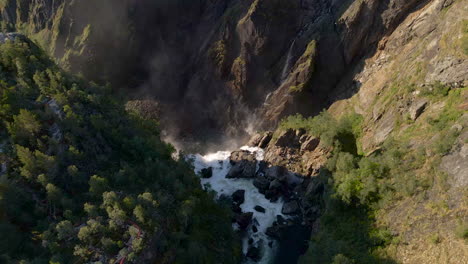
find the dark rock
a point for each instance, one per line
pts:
(303, 138)
(261, 183)
(250, 241)
(275, 232)
(275, 185)
(236, 208)
(290, 208)
(270, 244)
(254, 253)
(262, 167)
(286, 139)
(242, 169)
(260, 209)
(314, 188)
(244, 219)
(254, 229)
(207, 172)
(280, 220)
(272, 195)
(310, 144)
(300, 132)
(276, 172)
(294, 179)
(238, 196)
(265, 140)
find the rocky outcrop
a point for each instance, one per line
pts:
(416, 109)
(294, 150)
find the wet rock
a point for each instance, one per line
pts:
(260, 209)
(254, 253)
(272, 195)
(276, 172)
(238, 196)
(262, 166)
(417, 109)
(242, 169)
(262, 183)
(241, 155)
(244, 220)
(310, 144)
(294, 179)
(275, 231)
(254, 229)
(236, 208)
(207, 172)
(275, 185)
(280, 220)
(290, 208)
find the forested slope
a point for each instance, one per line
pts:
(82, 180)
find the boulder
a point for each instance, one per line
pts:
(254, 229)
(207, 172)
(244, 220)
(417, 109)
(254, 253)
(310, 144)
(241, 155)
(262, 167)
(235, 207)
(290, 208)
(242, 169)
(280, 220)
(275, 231)
(272, 195)
(294, 179)
(262, 183)
(238, 196)
(275, 185)
(260, 209)
(276, 172)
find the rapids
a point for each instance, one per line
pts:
(219, 161)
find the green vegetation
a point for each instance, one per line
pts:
(359, 185)
(86, 181)
(461, 231)
(464, 38)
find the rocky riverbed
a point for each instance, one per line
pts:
(273, 207)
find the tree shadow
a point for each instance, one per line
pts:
(348, 231)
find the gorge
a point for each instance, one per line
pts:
(233, 131)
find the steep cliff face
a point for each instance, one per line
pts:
(392, 144)
(228, 61)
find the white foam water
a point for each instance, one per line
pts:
(219, 161)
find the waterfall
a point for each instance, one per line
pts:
(287, 63)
